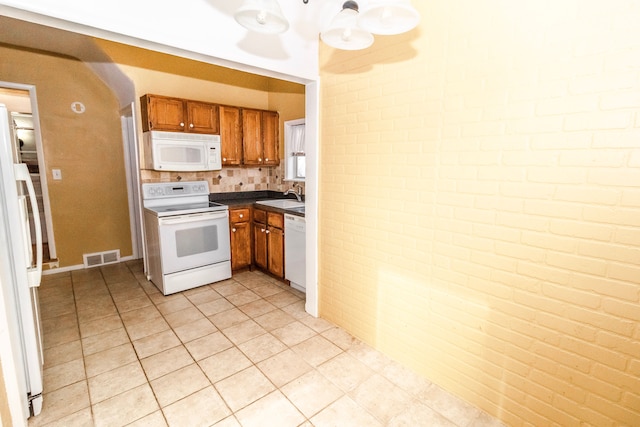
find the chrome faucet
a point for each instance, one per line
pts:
(297, 191)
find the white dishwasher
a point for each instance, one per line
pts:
(294, 251)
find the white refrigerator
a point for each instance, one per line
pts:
(20, 274)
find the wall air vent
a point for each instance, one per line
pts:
(101, 258)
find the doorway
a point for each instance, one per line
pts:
(21, 102)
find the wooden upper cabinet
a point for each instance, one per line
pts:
(162, 113)
(249, 136)
(178, 115)
(202, 117)
(231, 135)
(260, 137)
(270, 137)
(252, 137)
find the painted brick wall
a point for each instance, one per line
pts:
(480, 204)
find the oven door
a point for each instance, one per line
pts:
(194, 240)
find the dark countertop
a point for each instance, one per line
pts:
(248, 198)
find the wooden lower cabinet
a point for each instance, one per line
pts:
(268, 242)
(260, 246)
(275, 251)
(240, 227)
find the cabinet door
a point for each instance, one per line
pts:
(260, 245)
(231, 135)
(240, 245)
(275, 250)
(271, 138)
(252, 137)
(162, 113)
(203, 118)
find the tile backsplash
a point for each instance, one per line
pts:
(229, 179)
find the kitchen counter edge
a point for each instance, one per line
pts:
(249, 198)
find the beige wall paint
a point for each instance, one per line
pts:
(161, 74)
(480, 204)
(288, 99)
(89, 205)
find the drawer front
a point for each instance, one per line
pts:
(240, 215)
(275, 219)
(260, 216)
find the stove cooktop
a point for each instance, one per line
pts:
(178, 198)
(188, 208)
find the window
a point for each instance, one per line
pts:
(294, 145)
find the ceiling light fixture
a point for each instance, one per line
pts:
(348, 30)
(389, 17)
(262, 16)
(344, 33)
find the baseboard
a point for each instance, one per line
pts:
(78, 267)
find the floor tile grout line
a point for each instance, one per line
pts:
(296, 315)
(195, 361)
(236, 345)
(155, 396)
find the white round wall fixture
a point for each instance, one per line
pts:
(77, 107)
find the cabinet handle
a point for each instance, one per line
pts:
(224, 159)
(266, 160)
(267, 231)
(262, 230)
(181, 124)
(233, 229)
(241, 215)
(259, 159)
(191, 125)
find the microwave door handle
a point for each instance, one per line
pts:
(191, 218)
(34, 273)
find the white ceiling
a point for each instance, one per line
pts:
(203, 30)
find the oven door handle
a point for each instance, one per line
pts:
(183, 219)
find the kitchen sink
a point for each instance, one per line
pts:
(281, 203)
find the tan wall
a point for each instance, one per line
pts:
(289, 100)
(89, 205)
(480, 204)
(162, 74)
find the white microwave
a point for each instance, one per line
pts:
(182, 152)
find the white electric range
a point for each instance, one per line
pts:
(186, 235)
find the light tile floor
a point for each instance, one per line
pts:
(242, 352)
